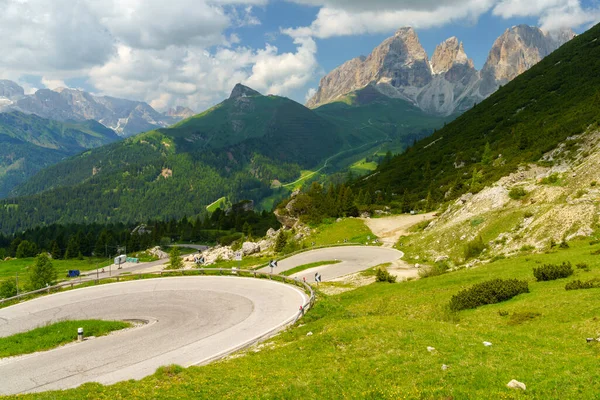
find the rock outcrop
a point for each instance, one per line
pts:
(10, 90)
(180, 112)
(240, 91)
(449, 83)
(517, 50)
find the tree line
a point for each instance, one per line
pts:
(104, 240)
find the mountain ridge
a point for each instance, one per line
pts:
(29, 143)
(125, 117)
(449, 83)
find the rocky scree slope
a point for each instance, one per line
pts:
(446, 84)
(535, 208)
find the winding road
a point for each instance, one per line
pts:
(353, 259)
(191, 321)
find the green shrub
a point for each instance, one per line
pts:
(229, 239)
(583, 266)
(564, 245)
(489, 292)
(477, 221)
(280, 242)
(551, 272)
(382, 275)
(8, 288)
(550, 180)
(474, 248)
(519, 318)
(528, 214)
(577, 285)
(437, 269)
(517, 193)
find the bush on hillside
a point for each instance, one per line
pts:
(382, 275)
(577, 285)
(517, 193)
(489, 292)
(474, 248)
(439, 268)
(551, 272)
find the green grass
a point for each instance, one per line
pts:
(304, 267)
(9, 269)
(351, 229)
(55, 335)
(364, 341)
(363, 167)
(217, 204)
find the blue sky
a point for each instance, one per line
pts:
(192, 52)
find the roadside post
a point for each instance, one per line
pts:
(238, 258)
(80, 334)
(318, 278)
(273, 265)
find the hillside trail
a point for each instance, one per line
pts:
(389, 230)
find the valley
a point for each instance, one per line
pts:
(424, 226)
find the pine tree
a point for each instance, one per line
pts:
(486, 159)
(175, 258)
(280, 242)
(55, 250)
(42, 273)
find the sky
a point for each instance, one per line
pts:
(193, 52)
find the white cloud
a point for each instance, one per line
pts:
(164, 52)
(310, 94)
(552, 14)
(339, 19)
(198, 78)
(355, 17)
(53, 83)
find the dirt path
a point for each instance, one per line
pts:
(390, 229)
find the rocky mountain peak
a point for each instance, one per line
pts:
(447, 54)
(406, 44)
(518, 49)
(10, 89)
(243, 91)
(399, 68)
(180, 112)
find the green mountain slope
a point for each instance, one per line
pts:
(367, 115)
(236, 149)
(29, 143)
(556, 99)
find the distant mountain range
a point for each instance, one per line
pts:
(125, 117)
(241, 148)
(29, 143)
(448, 83)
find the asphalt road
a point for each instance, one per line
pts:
(192, 320)
(354, 259)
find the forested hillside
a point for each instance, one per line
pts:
(29, 143)
(237, 149)
(556, 99)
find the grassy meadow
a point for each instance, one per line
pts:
(55, 335)
(371, 343)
